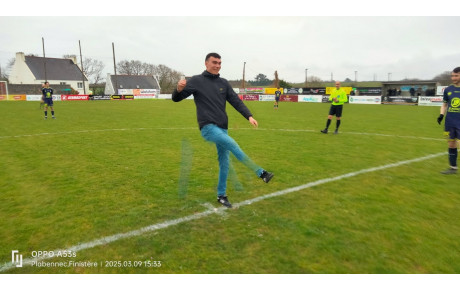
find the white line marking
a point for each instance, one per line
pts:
(168, 223)
(195, 128)
(219, 211)
(401, 136)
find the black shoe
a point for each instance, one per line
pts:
(324, 130)
(224, 201)
(266, 176)
(449, 171)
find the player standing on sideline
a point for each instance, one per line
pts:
(48, 98)
(277, 98)
(451, 108)
(338, 97)
(211, 93)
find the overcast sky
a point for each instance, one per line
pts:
(405, 46)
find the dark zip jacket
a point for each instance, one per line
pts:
(211, 92)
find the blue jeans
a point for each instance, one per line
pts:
(225, 144)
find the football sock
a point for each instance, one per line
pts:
(338, 124)
(46, 113)
(52, 113)
(453, 157)
(328, 123)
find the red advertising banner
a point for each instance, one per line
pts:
(74, 97)
(251, 97)
(289, 98)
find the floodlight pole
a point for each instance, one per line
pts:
(244, 69)
(44, 58)
(82, 74)
(306, 77)
(115, 69)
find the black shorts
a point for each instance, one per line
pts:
(336, 110)
(48, 101)
(277, 99)
(452, 133)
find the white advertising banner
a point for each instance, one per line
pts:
(34, 97)
(365, 99)
(145, 92)
(266, 97)
(430, 101)
(144, 96)
(440, 90)
(125, 92)
(39, 97)
(311, 98)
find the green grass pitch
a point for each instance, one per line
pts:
(108, 167)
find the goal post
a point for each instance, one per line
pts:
(3, 90)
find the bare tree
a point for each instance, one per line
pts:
(124, 68)
(93, 70)
(9, 66)
(69, 56)
(444, 78)
(167, 77)
(315, 81)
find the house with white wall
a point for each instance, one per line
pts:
(37, 70)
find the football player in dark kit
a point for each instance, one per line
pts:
(451, 109)
(277, 98)
(211, 94)
(48, 98)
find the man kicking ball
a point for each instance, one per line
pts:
(211, 93)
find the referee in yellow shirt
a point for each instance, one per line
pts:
(338, 97)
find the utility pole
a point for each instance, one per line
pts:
(244, 69)
(356, 76)
(332, 79)
(306, 77)
(82, 74)
(44, 58)
(115, 69)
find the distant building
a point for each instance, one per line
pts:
(425, 87)
(132, 85)
(30, 70)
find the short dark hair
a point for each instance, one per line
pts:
(46, 82)
(214, 55)
(456, 70)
